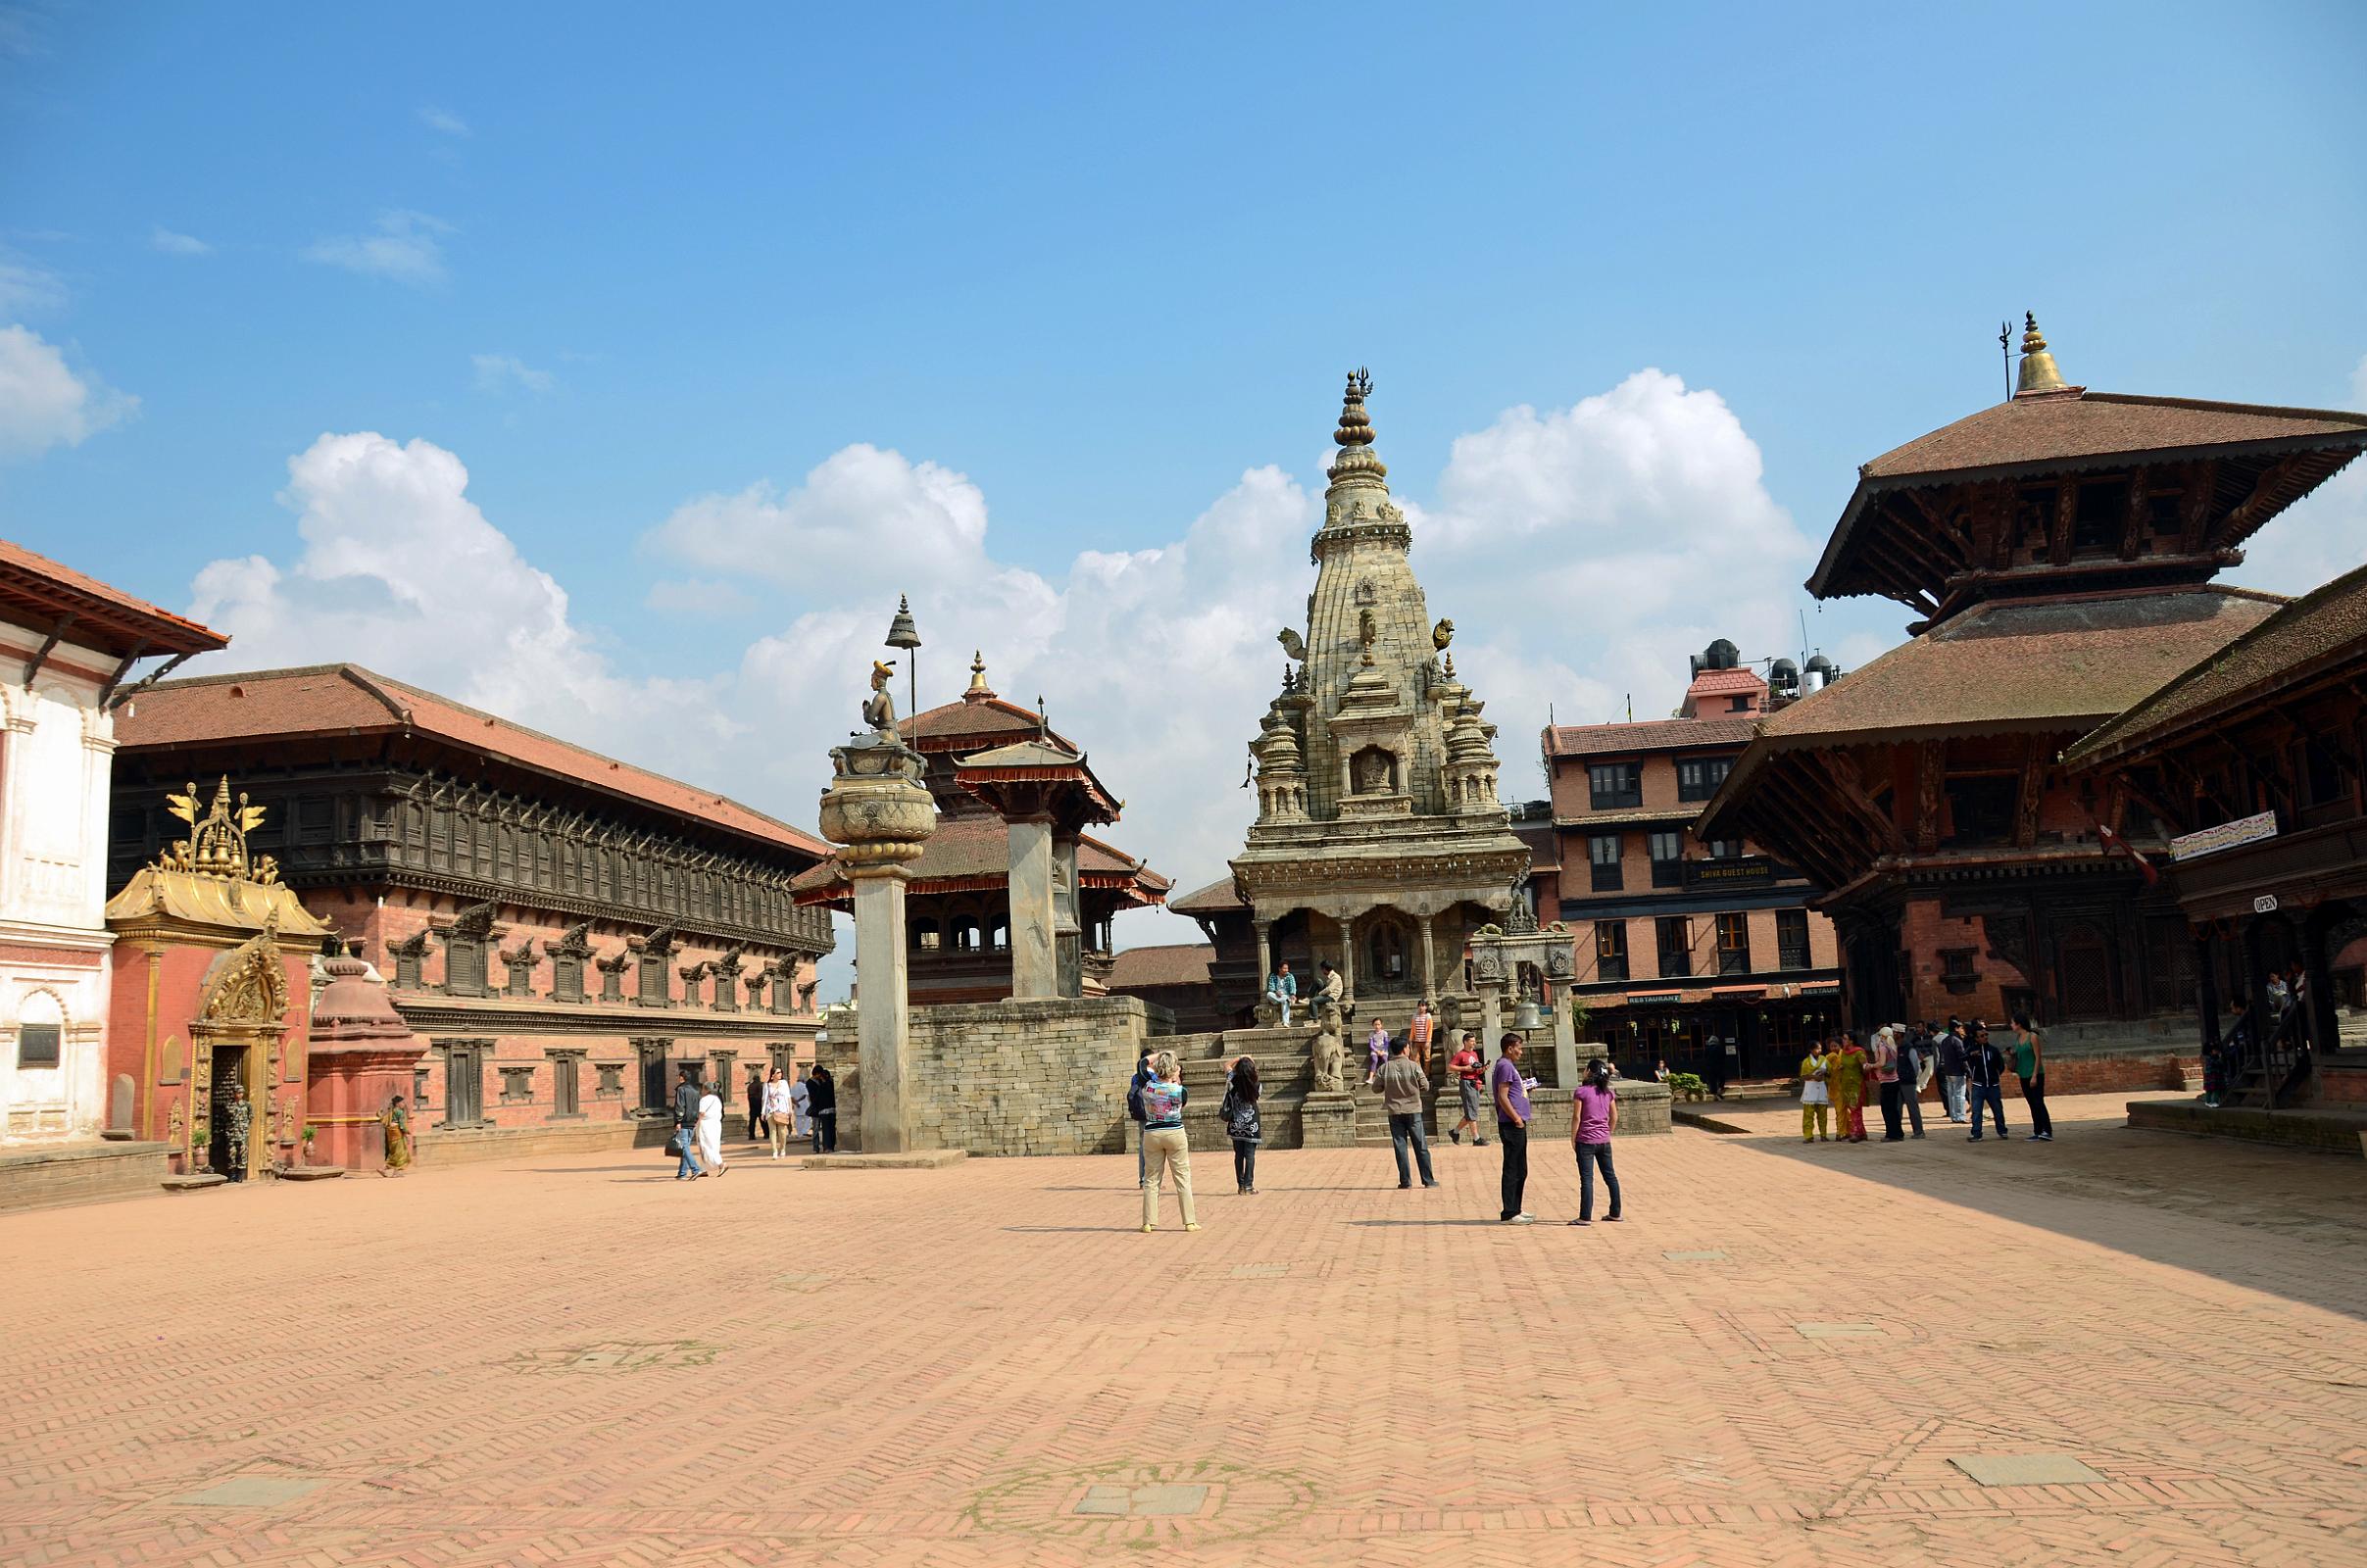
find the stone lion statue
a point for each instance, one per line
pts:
(1329, 1058)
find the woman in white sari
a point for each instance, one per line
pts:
(710, 1132)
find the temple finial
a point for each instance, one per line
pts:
(979, 691)
(1354, 434)
(2039, 374)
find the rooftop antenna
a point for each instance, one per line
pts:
(2006, 348)
(1631, 708)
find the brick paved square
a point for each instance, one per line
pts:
(578, 1360)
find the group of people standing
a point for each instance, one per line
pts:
(802, 1104)
(1157, 1095)
(1898, 1062)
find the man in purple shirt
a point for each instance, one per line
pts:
(1593, 1112)
(1511, 1093)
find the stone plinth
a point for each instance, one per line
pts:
(1035, 960)
(1327, 1119)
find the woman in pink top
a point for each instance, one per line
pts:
(1593, 1112)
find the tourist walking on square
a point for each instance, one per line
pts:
(821, 1095)
(1282, 989)
(1241, 1123)
(1983, 1078)
(756, 1107)
(1845, 1075)
(1594, 1117)
(1164, 1146)
(686, 1122)
(1512, 1093)
(778, 1119)
(800, 1105)
(1469, 1073)
(1814, 1095)
(711, 1133)
(397, 1122)
(1914, 1071)
(1724, 1065)
(1885, 1063)
(2030, 1065)
(1950, 1043)
(1418, 1034)
(1403, 1088)
(1376, 1052)
(237, 1119)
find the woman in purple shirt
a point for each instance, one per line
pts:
(1593, 1112)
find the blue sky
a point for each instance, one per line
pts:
(1094, 277)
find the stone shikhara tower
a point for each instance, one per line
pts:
(1379, 841)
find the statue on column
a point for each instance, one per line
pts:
(879, 709)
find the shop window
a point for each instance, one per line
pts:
(1603, 856)
(1610, 950)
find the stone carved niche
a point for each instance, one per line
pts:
(1373, 771)
(612, 974)
(653, 986)
(409, 958)
(517, 971)
(726, 970)
(692, 974)
(568, 956)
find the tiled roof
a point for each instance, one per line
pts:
(2008, 665)
(1650, 735)
(1181, 963)
(40, 591)
(2095, 424)
(1216, 898)
(971, 724)
(2326, 629)
(973, 852)
(1725, 683)
(1632, 816)
(348, 700)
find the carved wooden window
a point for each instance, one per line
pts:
(1610, 950)
(2084, 968)
(518, 1084)
(656, 1093)
(2102, 511)
(1957, 971)
(1980, 808)
(465, 965)
(566, 977)
(1791, 938)
(1673, 935)
(654, 989)
(39, 1045)
(612, 1079)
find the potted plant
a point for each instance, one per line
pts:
(309, 1130)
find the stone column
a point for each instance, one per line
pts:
(1490, 1018)
(1067, 919)
(1269, 1012)
(879, 809)
(1429, 986)
(1034, 931)
(884, 1021)
(1565, 1045)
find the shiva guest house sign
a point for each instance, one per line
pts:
(2226, 836)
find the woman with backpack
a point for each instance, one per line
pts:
(1242, 1124)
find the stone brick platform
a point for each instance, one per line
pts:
(80, 1173)
(2124, 1348)
(2333, 1131)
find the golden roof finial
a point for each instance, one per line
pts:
(2039, 374)
(979, 691)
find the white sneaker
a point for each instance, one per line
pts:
(1522, 1219)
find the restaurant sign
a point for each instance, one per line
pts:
(2226, 836)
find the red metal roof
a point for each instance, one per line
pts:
(346, 699)
(39, 592)
(1649, 735)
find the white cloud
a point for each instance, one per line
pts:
(26, 287)
(405, 248)
(444, 121)
(499, 372)
(2319, 537)
(44, 404)
(172, 244)
(675, 596)
(1575, 548)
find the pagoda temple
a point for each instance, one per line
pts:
(1011, 791)
(2058, 552)
(1379, 841)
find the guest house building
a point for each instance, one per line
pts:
(1683, 940)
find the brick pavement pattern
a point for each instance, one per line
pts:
(1781, 1357)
